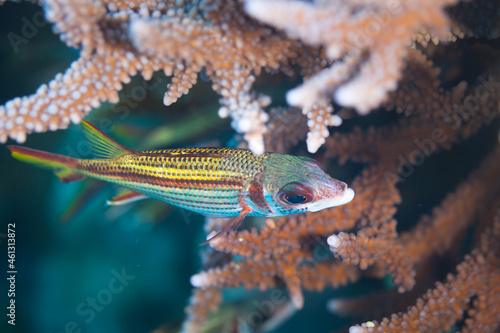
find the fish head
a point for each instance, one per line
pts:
(294, 184)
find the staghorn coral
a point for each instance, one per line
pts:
(180, 38)
(436, 234)
(118, 40)
(475, 19)
(282, 252)
(473, 288)
(368, 40)
(430, 113)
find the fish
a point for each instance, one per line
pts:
(215, 182)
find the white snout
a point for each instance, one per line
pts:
(337, 201)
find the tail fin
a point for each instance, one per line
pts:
(63, 166)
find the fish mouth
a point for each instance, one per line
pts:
(346, 197)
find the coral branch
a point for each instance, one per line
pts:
(477, 276)
(361, 54)
(372, 38)
(69, 97)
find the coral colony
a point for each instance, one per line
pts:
(355, 57)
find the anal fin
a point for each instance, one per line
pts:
(126, 197)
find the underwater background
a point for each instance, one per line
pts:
(85, 267)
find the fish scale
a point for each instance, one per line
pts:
(225, 182)
(206, 184)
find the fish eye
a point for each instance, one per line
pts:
(295, 194)
(295, 199)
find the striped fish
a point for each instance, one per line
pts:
(218, 182)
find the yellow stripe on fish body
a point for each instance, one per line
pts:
(210, 181)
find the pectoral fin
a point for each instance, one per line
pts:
(233, 224)
(256, 196)
(126, 197)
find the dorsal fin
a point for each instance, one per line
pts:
(102, 145)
